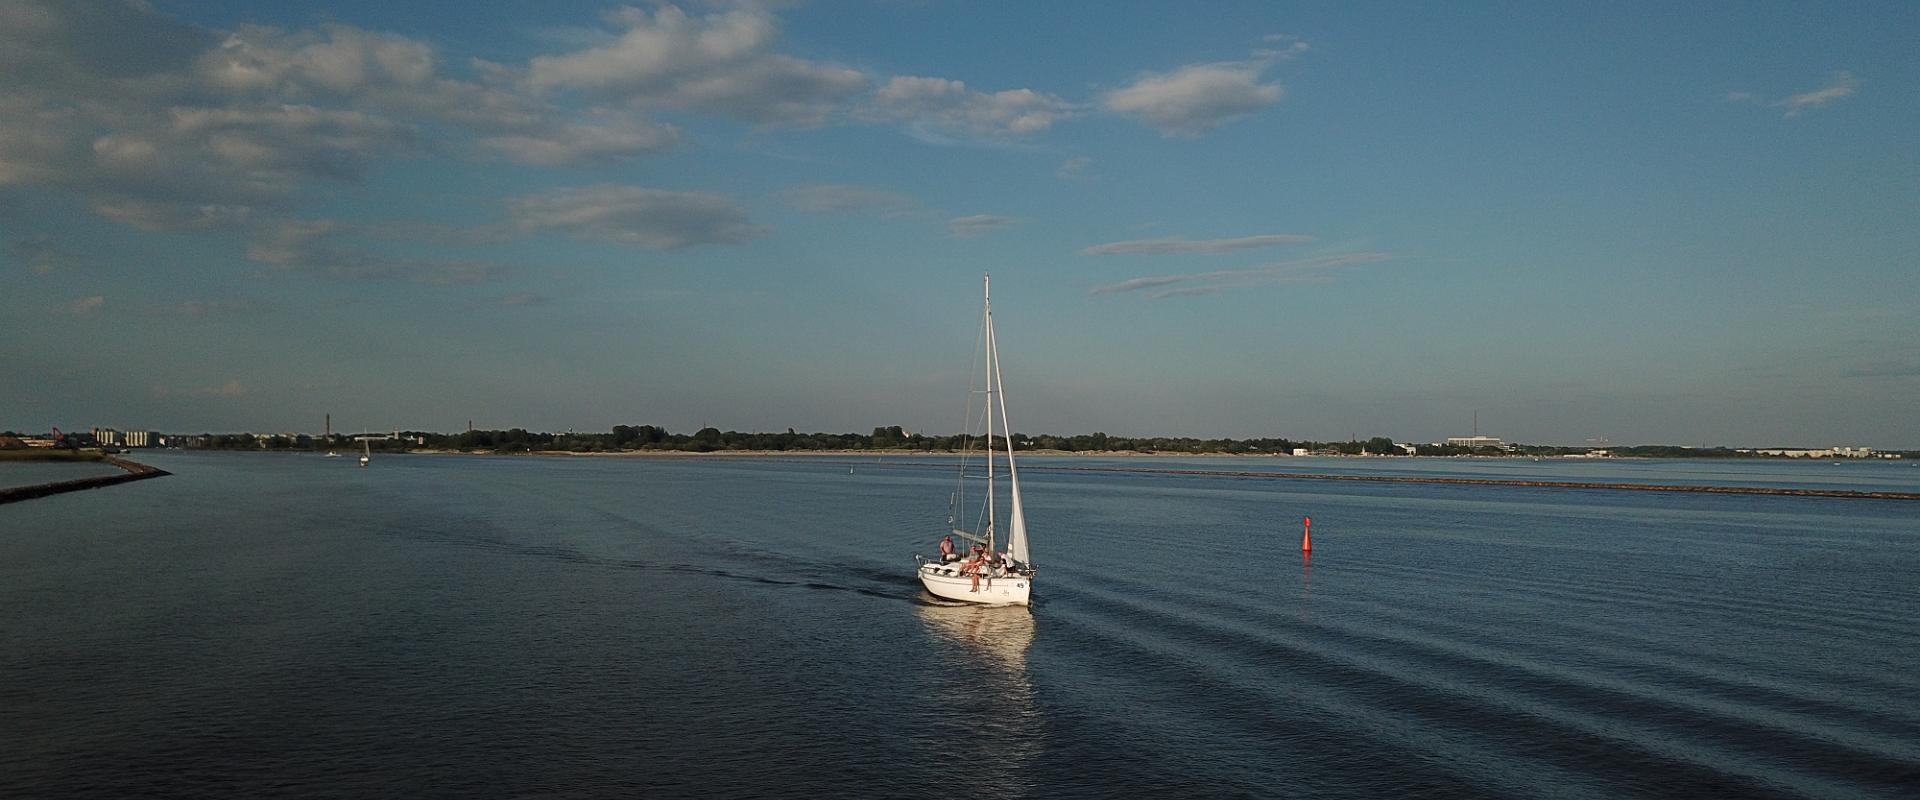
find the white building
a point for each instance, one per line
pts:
(1831, 452)
(1474, 441)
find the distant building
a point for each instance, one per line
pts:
(106, 436)
(1475, 442)
(139, 438)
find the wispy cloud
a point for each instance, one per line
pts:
(86, 305)
(571, 144)
(1885, 369)
(523, 299)
(840, 198)
(230, 389)
(978, 224)
(1840, 86)
(1179, 245)
(307, 246)
(209, 308)
(655, 219)
(40, 255)
(1283, 47)
(1306, 270)
(1078, 168)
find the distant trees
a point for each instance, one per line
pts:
(887, 437)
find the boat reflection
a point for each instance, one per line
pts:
(992, 723)
(1000, 634)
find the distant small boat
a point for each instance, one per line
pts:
(366, 452)
(331, 454)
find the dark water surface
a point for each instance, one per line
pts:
(293, 626)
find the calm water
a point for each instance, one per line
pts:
(280, 625)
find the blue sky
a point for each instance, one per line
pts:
(1652, 223)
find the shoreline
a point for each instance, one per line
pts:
(133, 471)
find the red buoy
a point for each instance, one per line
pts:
(1306, 537)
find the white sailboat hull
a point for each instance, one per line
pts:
(945, 581)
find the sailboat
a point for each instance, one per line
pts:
(986, 575)
(366, 452)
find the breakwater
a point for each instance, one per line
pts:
(131, 472)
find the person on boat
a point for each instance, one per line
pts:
(975, 567)
(996, 566)
(946, 550)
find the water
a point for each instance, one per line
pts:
(294, 626)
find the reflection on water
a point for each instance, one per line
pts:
(999, 635)
(995, 730)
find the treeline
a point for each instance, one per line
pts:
(708, 440)
(625, 438)
(628, 438)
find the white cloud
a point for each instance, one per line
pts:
(837, 198)
(1177, 245)
(1306, 270)
(523, 299)
(655, 219)
(718, 64)
(1841, 86)
(942, 107)
(1196, 98)
(335, 58)
(166, 127)
(86, 304)
(342, 65)
(274, 148)
(978, 224)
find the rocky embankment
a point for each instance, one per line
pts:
(133, 472)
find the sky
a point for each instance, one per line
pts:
(1691, 224)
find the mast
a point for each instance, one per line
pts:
(986, 289)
